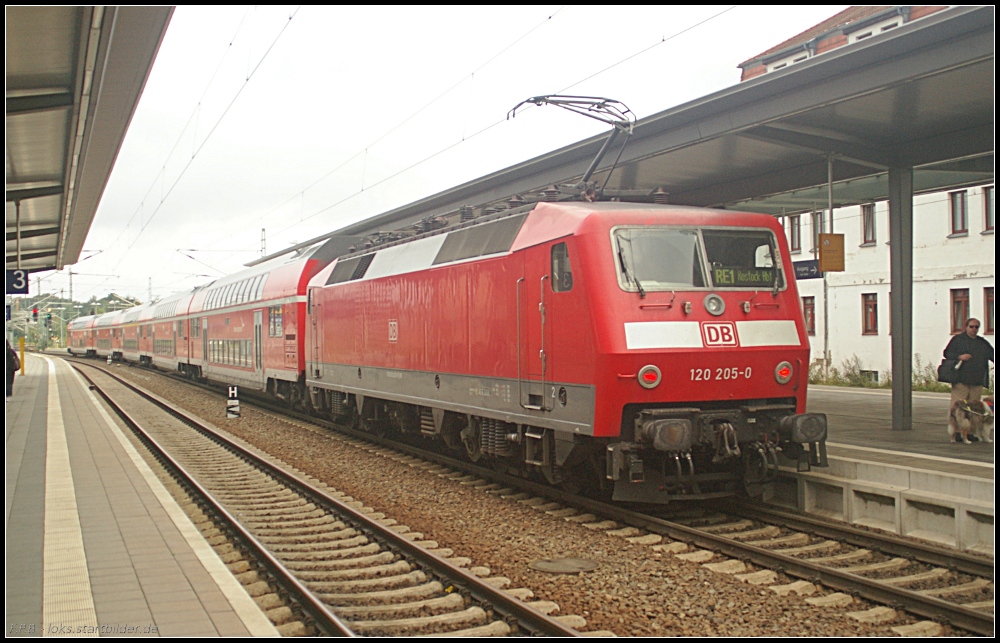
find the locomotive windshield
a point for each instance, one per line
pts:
(659, 258)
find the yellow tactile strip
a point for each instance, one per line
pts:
(67, 599)
(250, 614)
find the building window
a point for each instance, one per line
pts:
(817, 228)
(869, 321)
(988, 311)
(988, 207)
(795, 233)
(809, 312)
(959, 212)
(959, 309)
(868, 223)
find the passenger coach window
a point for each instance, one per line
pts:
(562, 276)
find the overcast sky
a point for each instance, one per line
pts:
(301, 121)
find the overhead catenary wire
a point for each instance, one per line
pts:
(211, 131)
(364, 151)
(465, 138)
(307, 216)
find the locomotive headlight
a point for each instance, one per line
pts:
(783, 373)
(714, 304)
(649, 376)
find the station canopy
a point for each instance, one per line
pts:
(74, 77)
(920, 96)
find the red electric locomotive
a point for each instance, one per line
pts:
(656, 350)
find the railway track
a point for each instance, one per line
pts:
(344, 568)
(943, 586)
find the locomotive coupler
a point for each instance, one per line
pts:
(726, 443)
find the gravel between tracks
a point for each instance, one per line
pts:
(634, 592)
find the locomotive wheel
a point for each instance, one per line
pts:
(471, 441)
(375, 426)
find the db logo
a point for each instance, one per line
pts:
(393, 330)
(719, 334)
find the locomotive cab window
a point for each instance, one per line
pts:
(743, 259)
(562, 276)
(662, 258)
(654, 258)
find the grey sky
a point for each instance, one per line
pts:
(303, 120)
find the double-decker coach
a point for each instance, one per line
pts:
(130, 329)
(246, 329)
(82, 339)
(108, 340)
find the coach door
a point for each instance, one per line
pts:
(314, 312)
(204, 343)
(534, 332)
(258, 324)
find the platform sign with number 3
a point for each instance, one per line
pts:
(17, 282)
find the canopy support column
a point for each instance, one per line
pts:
(901, 295)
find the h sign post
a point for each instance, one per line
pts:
(233, 404)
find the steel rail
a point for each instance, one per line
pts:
(926, 606)
(959, 561)
(327, 621)
(527, 618)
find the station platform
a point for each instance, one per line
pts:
(95, 545)
(860, 425)
(915, 483)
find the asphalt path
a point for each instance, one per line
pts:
(863, 417)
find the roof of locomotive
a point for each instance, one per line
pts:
(527, 226)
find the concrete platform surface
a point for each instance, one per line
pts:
(95, 545)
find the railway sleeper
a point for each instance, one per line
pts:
(372, 571)
(258, 516)
(496, 628)
(358, 546)
(425, 607)
(369, 584)
(739, 525)
(893, 564)
(983, 606)
(769, 531)
(823, 547)
(976, 585)
(420, 591)
(283, 530)
(343, 563)
(254, 493)
(470, 617)
(329, 536)
(320, 520)
(793, 539)
(271, 508)
(934, 574)
(849, 557)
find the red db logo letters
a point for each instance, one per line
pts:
(719, 334)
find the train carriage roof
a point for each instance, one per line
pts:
(108, 319)
(81, 323)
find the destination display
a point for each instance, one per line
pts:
(743, 277)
